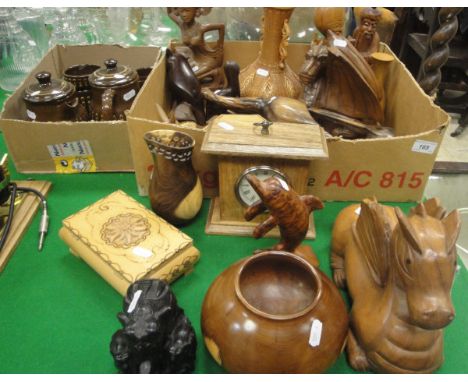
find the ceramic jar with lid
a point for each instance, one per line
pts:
(274, 313)
(78, 75)
(113, 90)
(52, 100)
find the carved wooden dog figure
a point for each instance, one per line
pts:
(289, 211)
(399, 271)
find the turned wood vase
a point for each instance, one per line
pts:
(269, 75)
(274, 313)
(175, 189)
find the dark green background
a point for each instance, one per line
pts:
(57, 315)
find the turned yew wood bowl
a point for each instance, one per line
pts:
(274, 313)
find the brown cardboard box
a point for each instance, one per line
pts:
(393, 169)
(28, 142)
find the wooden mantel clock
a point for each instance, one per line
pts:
(248, 144)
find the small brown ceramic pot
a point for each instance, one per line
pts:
(52, 100)
(274, 313)
(78, 76)
(113, 90)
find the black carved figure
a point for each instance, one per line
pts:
(185, 88)
(157, 337)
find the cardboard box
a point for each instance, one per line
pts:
(41, 147)
(392, 169)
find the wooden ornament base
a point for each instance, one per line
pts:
(22, 216)
(217, 226)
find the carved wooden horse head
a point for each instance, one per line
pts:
(417, 256)
(424, 245)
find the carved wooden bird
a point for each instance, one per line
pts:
(288, 210)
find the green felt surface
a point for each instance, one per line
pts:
(57, 315)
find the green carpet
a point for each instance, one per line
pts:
(57, 315)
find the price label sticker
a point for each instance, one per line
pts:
(315, 333)
(31, 114)
(129, 95)
(134, 302)
(340, 42)
(425, 147)
(263, 72)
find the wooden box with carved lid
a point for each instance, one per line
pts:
(247, 144)
(124, 242)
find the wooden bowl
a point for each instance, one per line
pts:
(274, 313)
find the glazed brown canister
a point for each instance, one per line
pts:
(78, 75)
(113, 90)
(52, 100)
(274, 313)
(175, 189)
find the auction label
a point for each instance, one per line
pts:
(263, 72)
(425, 147)
(72, 157)
(315, 333)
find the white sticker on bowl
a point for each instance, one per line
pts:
(340, 42)
(129, 95)
(134, 302)
(425, 147)
(315, 333)
(263, 72)
(357, 211)
(31, 114)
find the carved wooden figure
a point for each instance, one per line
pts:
(289, 211)
(157, 336)
(275, 109)
(205, 59)
(366, 38)
(399, 271)
(185, 88)
(341, 81)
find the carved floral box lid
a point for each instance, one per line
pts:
(130, 238)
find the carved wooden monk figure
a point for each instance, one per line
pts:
(366, 38)
(205, 59)
(399, 271)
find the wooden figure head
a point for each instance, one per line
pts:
(425, 263)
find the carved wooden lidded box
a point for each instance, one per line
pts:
(124, 242)
(247, 144)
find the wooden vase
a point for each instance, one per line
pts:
(274, 313)
(269, 75)
(175, 190)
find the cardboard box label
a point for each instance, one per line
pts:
(426, 147)
(72, 157)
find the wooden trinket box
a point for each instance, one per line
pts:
(124, 242)
(244, 146)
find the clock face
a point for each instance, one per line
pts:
(244, 191)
